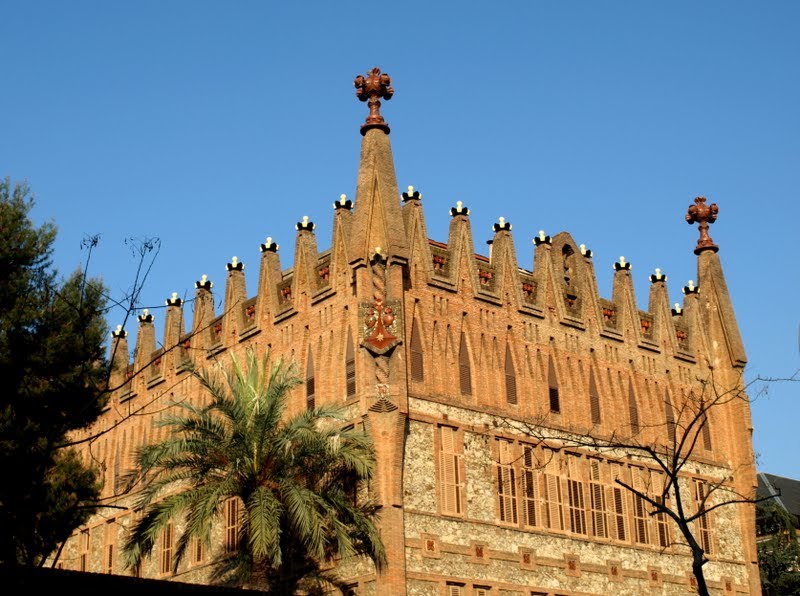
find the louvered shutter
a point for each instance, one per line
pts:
(633, 409)
(594, 398)
(350, 366)
(511, 378)
(417, 368)
(552, 385)
(464, 373)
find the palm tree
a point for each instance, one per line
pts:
(295, 478)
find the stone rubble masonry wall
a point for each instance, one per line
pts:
(547, 311)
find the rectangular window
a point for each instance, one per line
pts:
(231, 524)
(597, 498)
(167, 546)
(661, 520)
(109, 558)
(575, 494)
(454, 589)
(451, 453)
(84, 555)
(481, 591)
(617, 502)
(506, 481)
(700, 494)
(529, 478)
(552, 503)
(196, 551)
(641, 510)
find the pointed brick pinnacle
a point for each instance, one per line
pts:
(704, 215)
(372, 88)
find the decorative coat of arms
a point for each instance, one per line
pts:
(381, 325)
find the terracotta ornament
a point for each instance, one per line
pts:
(372, 88)
(704, 215)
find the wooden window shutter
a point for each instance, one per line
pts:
(702, 523)
(617, 502)
(310, 383)
(455, 589)
(633, 408)
(552, 384)
(594, 397)
(117, 463)
(552, 504)
(464, 373)
(350, 366)
(706, 430)
(529, 478)
(167, 546)
(641, 513)
(670, 416)
(575, 494)
(231, 524)
(417, 369)
(506, 481)
(511, 378)
(597, 484)
(450, 453)
(661, 497)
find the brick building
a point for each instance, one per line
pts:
(479, 386)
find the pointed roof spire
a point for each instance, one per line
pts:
(372, 88)
(377, 218)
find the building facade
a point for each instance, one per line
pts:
(503, 401)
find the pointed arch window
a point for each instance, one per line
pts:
(552, 386)
(670, 417)
(511, 377)
(706, 432)
(310, 383)
(594, 398)
(633, 408)
(705, 420)
(350, 366)
(417, 369)
(464, 373)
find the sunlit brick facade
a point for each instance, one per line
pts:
(447, 357)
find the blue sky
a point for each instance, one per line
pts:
(212, 125)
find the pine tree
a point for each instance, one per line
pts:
(52, 375)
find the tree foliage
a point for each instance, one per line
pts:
(52, 370)
(294, 477)
(778, 550)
